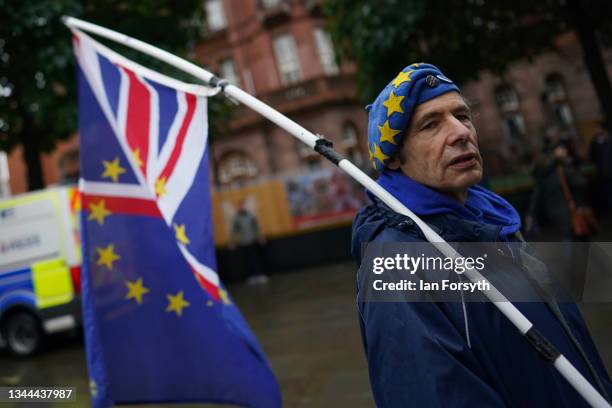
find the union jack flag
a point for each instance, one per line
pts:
(159, 325)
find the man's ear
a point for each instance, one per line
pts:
(394, 164)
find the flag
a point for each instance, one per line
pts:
(159, 325)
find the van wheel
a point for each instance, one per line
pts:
(23, 334)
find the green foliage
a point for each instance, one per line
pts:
(37, 80)
(36, 75)
(462, 37)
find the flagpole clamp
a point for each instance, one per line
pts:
(542, 345)
(217, 82)
(326, 148)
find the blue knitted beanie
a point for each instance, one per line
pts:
(389, 115)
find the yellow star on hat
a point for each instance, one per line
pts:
(402, 77)
(387, 134)
(379, 154)
(393, 104)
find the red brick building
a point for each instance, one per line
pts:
(513, 112)
(278, 51)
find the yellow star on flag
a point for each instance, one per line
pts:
(387, 134)
(393, 104)
(98, 212)
(176, 303)
(209, 303)
(107, 256)
(181, 236)
(136, 157)
(379, 154)
(160, 187)
(112, 169)
(136, 290)
(401, 78)
(224, 297)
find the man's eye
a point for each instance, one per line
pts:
(464, 118)
(429, 125)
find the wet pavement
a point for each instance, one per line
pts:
(306, 323)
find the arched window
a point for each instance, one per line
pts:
(512, 119)
(555, 98)
(506, 98)
(236, 166)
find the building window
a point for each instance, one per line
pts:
(506, 98)
(512, 118)
(270, 3)
(227, 71)
(350, 145)
(236, 166)
(287, 59)
(557, 105)
(215, 16)
(325, 48)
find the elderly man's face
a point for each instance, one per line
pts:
(440, 148)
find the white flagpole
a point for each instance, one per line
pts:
(324, 147)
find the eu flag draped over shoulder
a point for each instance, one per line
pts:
(159, 325)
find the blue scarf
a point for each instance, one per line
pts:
(481, 204)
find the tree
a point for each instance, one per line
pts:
(464, 36)
(37, 81)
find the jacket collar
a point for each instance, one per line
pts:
(448, 226)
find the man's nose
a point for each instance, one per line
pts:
(458, 131)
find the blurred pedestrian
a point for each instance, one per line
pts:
(554, 137)
(452, 354)
(247, 239)
(559, 196)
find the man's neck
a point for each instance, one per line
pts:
(459, 195)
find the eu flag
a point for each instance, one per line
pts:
(159, 325)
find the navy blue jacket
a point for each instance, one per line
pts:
(462, 354)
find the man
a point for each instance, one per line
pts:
(246, 234)
(444, 354)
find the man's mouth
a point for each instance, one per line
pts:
(464, 161)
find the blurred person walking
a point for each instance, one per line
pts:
(559, 196)
(247, 239)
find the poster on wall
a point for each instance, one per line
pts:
(323, 197)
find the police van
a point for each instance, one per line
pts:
(39, 267)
